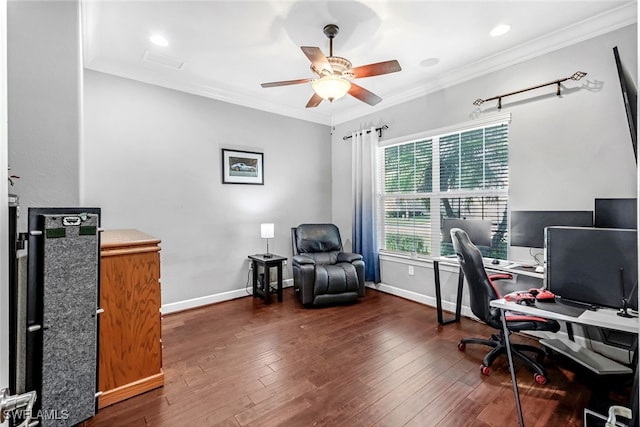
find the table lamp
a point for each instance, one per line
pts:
(266, 232)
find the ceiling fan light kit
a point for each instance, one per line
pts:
(331, 87)
(334, 74)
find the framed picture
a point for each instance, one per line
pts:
(242, 167)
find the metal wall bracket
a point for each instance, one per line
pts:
(575, 76)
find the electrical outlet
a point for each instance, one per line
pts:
(411, 271)
(284, 262)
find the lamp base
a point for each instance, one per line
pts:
(267, 256)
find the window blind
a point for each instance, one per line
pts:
(456, 175)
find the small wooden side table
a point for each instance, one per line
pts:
(264, 288)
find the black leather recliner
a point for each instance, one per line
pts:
(322, 273)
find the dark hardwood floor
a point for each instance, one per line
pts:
(382, 361)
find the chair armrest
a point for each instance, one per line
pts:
(302, 260)
(499, 276)
(348, 257)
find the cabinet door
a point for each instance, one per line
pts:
(130, 348)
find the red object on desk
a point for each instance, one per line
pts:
(546, 296)
(543, 295)
(521, 297)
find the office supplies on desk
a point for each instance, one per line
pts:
(521, 297)
(543, 295)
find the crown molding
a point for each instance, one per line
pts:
(218, 93)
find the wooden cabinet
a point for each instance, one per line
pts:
(130, 360)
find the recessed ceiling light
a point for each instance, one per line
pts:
(158, 40)
(499, 30)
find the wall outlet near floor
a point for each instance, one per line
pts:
(284, 262)
(411, 271)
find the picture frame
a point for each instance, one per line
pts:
(242, 167)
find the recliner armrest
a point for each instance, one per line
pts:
(348, 257)
(302, 260)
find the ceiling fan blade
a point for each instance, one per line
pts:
(364, 95)
(317, 58)
(376, 69)
(286, 82)
(314, 101)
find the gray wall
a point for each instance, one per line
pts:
(44, 91)
(4, 214)
(151, 160)
(564, 151)
(41, 87)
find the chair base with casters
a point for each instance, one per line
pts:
(497, 342)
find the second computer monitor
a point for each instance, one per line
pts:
(527, 227)
(478, 230)
(616, 213)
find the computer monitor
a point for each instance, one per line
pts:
(616, 213)
(527, 227)
(478, 230)
(597, 266)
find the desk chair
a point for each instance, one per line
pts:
(481, 292)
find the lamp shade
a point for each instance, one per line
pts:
(331, 87)
(266, 230)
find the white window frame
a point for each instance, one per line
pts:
(436, 194)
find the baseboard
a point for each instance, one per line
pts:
(420, 298)
(175, 307)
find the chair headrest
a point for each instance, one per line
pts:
(317, 238)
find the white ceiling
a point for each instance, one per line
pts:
(229, 47)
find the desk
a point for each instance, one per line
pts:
(603, 318)
(264, 291)
(436, 277)
(503, 267)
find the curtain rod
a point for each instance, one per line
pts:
(379, 130)
(575, 76)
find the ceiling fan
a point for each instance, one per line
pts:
(335, 74)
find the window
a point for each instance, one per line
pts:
(455, 174)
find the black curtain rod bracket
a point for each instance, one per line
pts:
(379, 130)
(575, 76)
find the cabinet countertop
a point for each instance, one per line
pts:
(125, 237)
